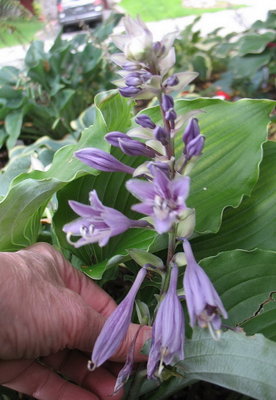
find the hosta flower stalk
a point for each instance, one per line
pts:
(161, 184)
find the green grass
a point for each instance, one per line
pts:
(156, 10)
(14, 32)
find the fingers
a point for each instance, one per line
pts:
(73, 365)
(90, 292)
(42, 383)
(144, 334)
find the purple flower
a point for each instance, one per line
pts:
(129, 91)
(133, 80)
(193, 140)
(170, 115)
(162, 199)
(129, 146)
(125, 372)
(131, 66)
(158, 48)
(167, 102)
(145, 121)
(194, 147)
(162, 135)
(171, 81)
(116, 326)
(97, 223)
(102, 161)
(204, 304)
(168, 330)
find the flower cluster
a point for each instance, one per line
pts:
(161, 184)
(145, 63)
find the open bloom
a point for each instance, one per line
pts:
(116, 326)
(162, 199)
(168, 330)
(97, 223)
(204, 304)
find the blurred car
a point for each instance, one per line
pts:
(72, 12)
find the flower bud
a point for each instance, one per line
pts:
(167, 102)
(128, 145)
(162, 135)
(145, 121)
(132, 80)
(131, 66)
(102, 161)
(158, 48)
(129, 91)
(171, 81)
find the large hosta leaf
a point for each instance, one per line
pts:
(29, 193)
(253, 223)
(229, 166)
(237, 362)
(246, 282)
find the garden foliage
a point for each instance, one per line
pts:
(54, 87)
(232, 192)
(240, 64)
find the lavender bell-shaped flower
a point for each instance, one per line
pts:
(102, 161)
(97, 223)
(162, 199)
(116, 326)
(168, 330)
(204, 304)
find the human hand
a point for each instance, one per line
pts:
(51, 311)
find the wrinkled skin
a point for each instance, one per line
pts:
(50, 317)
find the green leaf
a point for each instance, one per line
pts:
(20, 158)
(32, 191)
(35, 54)
(62, 99)
(13, 124)
(245, 281)
(237, 362)
(246, 66)
(253, 223)
(116, 110)
(254, 42)
(229, 166)
(9, 75)
(142, 257)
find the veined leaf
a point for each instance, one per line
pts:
(237, 362)
(246, 282)
(253, 223)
